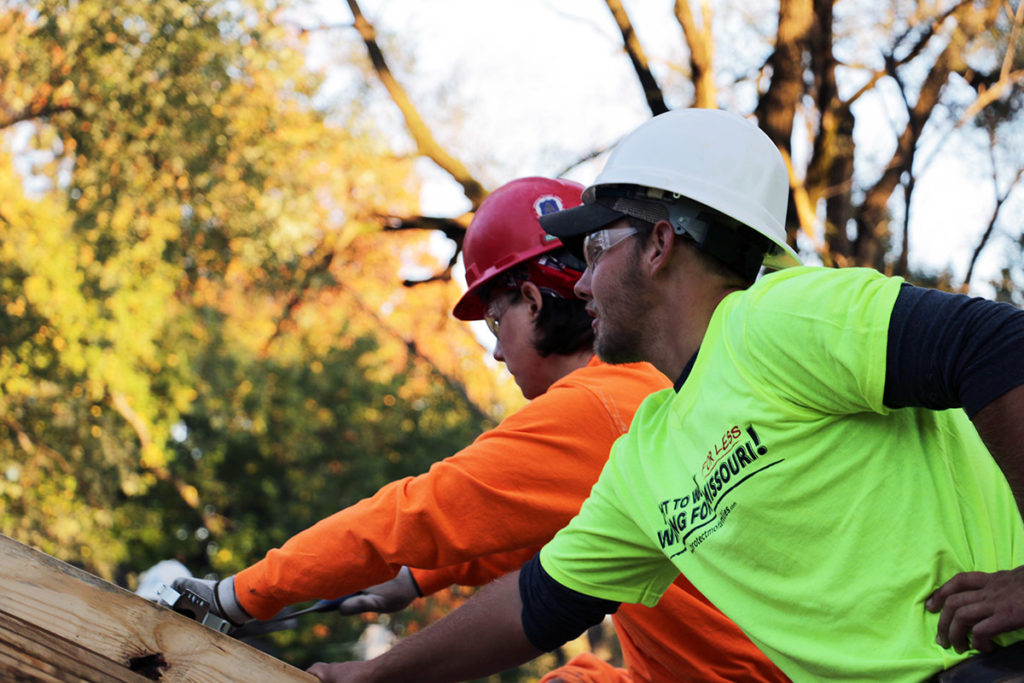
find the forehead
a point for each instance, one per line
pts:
(618, 223)
(499, 299)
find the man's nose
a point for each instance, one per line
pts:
(582, 288)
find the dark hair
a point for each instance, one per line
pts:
(563, 327)
(725, 226)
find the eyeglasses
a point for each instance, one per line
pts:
(596, 243)
(497, 308)
(493, 324)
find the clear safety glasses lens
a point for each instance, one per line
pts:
(596, 243)
(492, 324)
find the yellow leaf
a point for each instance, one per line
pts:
(190, 495)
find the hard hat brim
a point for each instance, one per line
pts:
(470, 306)
(573, 225)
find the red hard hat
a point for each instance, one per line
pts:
(505, 232)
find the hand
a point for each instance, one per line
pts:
(347, 672)
(977, 606)
(220, 595)
(390, 596)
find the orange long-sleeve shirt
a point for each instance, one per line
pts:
(485, 510)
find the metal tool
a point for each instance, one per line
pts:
(284, 619)
(320, 606)
(192, 606)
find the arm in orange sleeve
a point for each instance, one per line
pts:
(477, 572)
(512, 487)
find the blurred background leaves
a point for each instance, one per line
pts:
(204, 345)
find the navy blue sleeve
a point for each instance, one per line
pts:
(552, 613)
(951, 351)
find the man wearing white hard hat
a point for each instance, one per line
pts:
(814, 472)
(488, 508)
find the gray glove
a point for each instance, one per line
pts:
(390, 596)
(220, 595)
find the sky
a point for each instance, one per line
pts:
(525, 87)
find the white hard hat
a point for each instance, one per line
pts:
(713, 157)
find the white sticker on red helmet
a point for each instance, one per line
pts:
(549, 203)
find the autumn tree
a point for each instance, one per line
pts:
(203, 347)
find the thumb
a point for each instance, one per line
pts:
(359, 603)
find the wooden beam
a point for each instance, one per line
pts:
(59, 623)
(27, 652)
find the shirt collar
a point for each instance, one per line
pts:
(685, 373)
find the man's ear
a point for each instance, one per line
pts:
(531, 293)
(660, 244)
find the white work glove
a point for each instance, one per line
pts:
(390, 596)
(220, 595)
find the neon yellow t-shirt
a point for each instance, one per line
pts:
(776, 480)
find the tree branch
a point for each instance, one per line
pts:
(582, 160)
(30, 113)
(321, 264)
(302, 30)
(902, 262)
(1018, 20)
(892, 64)
(777, 107)
(872, 215)
(701, 46)
(990, 95)
(424, 139)
(652, 92)
(1000, 201)
(33, 449)
(805, 213)
(1007, 77)
(414, 351)
(926, 35)
(188, 493)
(829, 173)
(453, 228)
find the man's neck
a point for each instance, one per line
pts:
(564, 364)
(687, 323)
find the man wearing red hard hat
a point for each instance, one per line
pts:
(487, 509)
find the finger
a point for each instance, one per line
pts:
(394, 603)
(1002, 620)
(965, 581)
(963, 623)
(358, 604)
(948, 614)
(981, 641)
(320, 670)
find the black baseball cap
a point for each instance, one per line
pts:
(573, 225)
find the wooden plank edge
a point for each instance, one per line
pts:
(120, 626)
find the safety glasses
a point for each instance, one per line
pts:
(493, 323)
(596, 243)
(498, 306)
